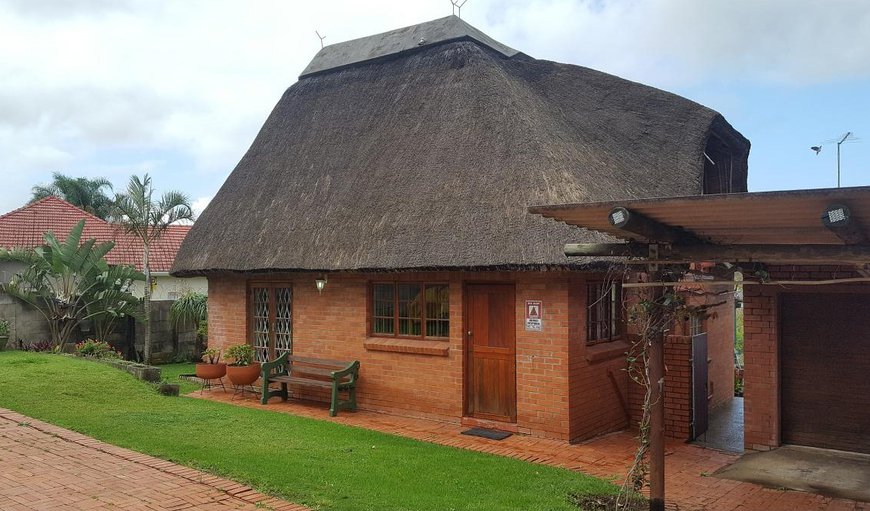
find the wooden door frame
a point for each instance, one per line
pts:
(466, 346)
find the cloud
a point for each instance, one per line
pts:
(200, 204)
(785, 42)
(55, 9)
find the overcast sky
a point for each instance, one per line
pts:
(180, 88)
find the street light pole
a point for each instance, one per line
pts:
(848, 133)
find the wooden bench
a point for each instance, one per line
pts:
(312, 372)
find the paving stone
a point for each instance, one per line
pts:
(44, 467)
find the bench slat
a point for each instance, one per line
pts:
(301, 381)
(319, 371)
(319, 361)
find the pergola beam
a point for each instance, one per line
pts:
(678, 253)
(645, 227)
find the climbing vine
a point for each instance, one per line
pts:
(651, 315)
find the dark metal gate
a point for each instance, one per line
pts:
(700, 417)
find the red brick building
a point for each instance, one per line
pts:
(400, 169)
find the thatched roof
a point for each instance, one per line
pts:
(429, 158)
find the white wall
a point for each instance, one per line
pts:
(167, 287)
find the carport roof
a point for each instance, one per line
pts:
(757, 218)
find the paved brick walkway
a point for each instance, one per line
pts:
(44, 467)
(687, 467)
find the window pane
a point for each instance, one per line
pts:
(437, 302)
(283, 321)
(410, 309)
(410, 305)
(383, 292)
(437, 328)
(383, 303)
(409, 327)
(437, 310)
(383, 326)
(260, 323)
(602, 318)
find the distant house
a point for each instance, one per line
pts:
(399, 168)
(25, 228)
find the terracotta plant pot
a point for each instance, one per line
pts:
(244, 375)
(211, 371)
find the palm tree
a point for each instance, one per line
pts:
(147, 219)
(81, 192)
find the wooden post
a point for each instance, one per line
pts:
(657, 397)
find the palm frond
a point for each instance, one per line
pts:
(191, 307)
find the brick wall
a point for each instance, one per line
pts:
(560, 394)
(678, 389)
(720, 351)
(598, 380)
(542, 357)
(761, 369)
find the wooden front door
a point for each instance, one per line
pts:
(490, 340)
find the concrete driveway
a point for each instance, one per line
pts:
(826, 472)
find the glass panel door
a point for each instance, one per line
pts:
(271, 321)
(283, 321)
(261, 324)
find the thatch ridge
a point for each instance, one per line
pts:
(432, 159)
(399, 42)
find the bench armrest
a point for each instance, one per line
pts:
(276, 367)
(351, 370)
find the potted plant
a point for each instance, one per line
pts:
(4, 333)
(211, 367)
(243, 370)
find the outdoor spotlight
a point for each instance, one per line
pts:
(618, 217)
(836, 215)
(320, 283)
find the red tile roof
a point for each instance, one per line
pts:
(24, 228)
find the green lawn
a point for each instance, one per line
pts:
(170, 373)
(317, 463)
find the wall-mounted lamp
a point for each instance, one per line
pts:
(320, 283)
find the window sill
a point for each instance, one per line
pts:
(435, 348)
(606, 351)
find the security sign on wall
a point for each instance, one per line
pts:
(534, 315)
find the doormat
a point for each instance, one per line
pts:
(487, 433)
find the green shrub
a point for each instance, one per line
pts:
(211, 355)
(202, 331)
(4, 328)
(241, 354)
(96, 349)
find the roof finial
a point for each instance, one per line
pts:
(457, 7)
(321, 37)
